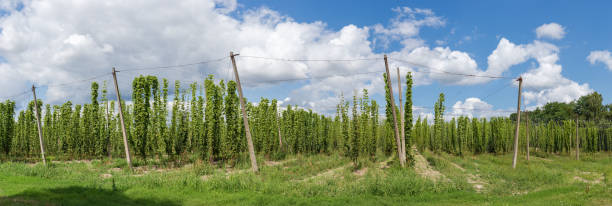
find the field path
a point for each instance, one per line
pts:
(385, 164)
(474, 179)
(328, 173)
(422, 167)
(276, 163)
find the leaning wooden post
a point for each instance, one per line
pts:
(577, 141)
(125, 143)
(518, 122)
(402, 156)
(401, 111)
(40, 135)
(244, 117)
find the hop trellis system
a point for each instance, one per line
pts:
(204, 119)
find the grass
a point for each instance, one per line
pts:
(312, 180)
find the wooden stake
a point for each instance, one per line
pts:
(125, 142)
(577, 141)
(518, 122)
(40, 134)
(244, 117)
(402, 156)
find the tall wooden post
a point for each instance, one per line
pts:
(244, 117)
(527, 134)
(109, 146)
(280, 137)
(401, 111)
(40, 135)
(577, 140)
(402, 156)
(125, 142)
(518, 122)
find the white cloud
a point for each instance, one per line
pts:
(474, 107)
(66, 40)
(505, 56)
(436, 62)
(561, 93)
(406, 26)
(543, 83)
(602, 56)
(51, 43)
(551, 30)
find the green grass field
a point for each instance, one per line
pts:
(437, 179)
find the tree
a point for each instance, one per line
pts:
(590, 106)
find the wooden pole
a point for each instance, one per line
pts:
(280, 137)
(40, 134)
(244, 117)
(125, 142)
(527, 133)
(402, 156)
(109, 146)
(577, 141)
(401, 110)
(518, 122)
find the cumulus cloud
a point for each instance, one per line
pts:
(602, 56)
(543, 83)
(561, 93)
(50, 43)
(551, 30)
(474, 107)
(53, 43)
(406, 26)
(436, 63)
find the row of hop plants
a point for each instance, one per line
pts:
(201, 119)
(495, 135)
(204, 120)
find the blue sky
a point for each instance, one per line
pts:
(476, 27)
(52, 43)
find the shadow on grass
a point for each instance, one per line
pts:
(76, 195)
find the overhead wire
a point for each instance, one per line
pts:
(172, 66)
(467, 108)
(77, 81)
(310, 60)
(181, 67)
(314, 77)
(14, 95)
(447, 72)
(496, 91)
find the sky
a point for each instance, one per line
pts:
(560, 48)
